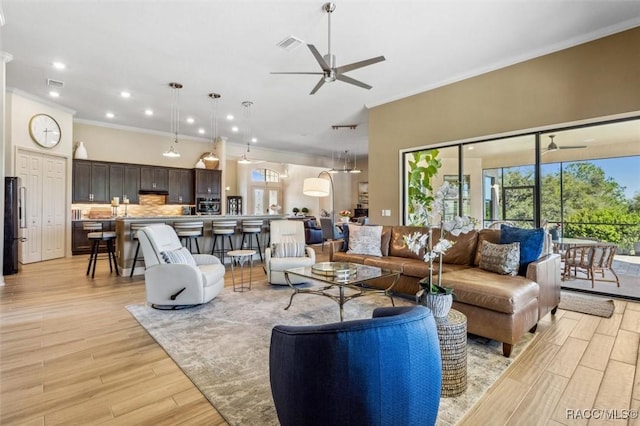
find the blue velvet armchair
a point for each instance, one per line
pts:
(380, 371)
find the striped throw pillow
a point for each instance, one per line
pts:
(288, 249)
(181, 255)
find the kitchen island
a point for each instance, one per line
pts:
(126, 244)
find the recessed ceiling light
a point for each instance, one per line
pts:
(54, 94)
(201, 131)
(148, 112)
(254, 140)
(125, 94)
(471, 148)
(229, 117)
(59, 65)
(190, 120)
(110, 115)
(234, 129)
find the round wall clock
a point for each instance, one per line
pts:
(44, 130)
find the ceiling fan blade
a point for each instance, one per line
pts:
(323, 64)
(572, 147)
(353, 81)
(318, 86)
(356, 65)
(298, 72)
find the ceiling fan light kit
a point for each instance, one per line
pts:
(330, 72)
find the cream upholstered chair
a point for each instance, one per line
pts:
(189, 280)
(286, 231)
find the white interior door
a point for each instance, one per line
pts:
(44, 178)
(53, 207)
(30, 172)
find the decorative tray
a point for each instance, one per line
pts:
(341, 270)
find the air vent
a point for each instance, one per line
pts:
(54, 83)
(290, 43)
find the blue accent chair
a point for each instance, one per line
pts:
(381, 371)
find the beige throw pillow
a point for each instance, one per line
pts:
(502, 259)
(365, 240)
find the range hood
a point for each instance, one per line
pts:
(153, 192)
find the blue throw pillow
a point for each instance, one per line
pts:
(531, 242)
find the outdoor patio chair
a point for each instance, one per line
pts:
(591, 259)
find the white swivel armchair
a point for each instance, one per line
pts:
(287, 232)
(189, 280)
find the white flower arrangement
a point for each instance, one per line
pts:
(419, 241)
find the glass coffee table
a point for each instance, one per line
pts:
(341, 276)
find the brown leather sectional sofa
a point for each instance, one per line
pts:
(499, 307)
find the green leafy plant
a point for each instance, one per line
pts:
(295, 210)
(422, 167)
(304, 210)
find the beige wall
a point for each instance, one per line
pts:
(592, 80)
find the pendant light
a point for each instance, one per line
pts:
(355, 169)
(211, 156)
(175, 120)
(247, 132)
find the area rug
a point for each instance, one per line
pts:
(223, 346)
(571, 301)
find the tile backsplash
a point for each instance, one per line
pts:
(150, 205)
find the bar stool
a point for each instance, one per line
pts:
(95, 234)
(222, 228)
(134, 237)
(189, 231)
(252, 227)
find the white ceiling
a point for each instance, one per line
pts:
(230, 47)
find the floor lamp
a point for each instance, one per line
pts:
(318, 187)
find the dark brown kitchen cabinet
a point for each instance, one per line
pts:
(208, 183)
(90, 182)
(181, 186)
(80, 244)
(124, 179)
(154, 178)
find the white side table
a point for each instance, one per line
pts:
(241, 256)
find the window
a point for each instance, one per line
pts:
(266, 190)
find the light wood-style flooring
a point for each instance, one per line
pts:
(70, 353)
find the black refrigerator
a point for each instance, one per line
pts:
(12, 221)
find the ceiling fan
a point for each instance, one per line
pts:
(330, 72)
(554, 147)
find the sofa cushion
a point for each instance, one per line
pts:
(500, 258)
(397, 247)
(386, 262)
(212, 273)
(419, 269)
(365, 240)
(531, 242)
(502, 293)
(181, 255)
(463, 250)
(386, 239)
(347, 257)
(491, 235)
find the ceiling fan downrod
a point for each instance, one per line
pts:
(329, 58)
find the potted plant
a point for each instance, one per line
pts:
(295, 211)
(432, 294)
(304, 211)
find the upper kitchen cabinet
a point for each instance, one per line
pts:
(154, 178)
(90, 182)
(181, 186)
(208, 183)
(124, 180)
